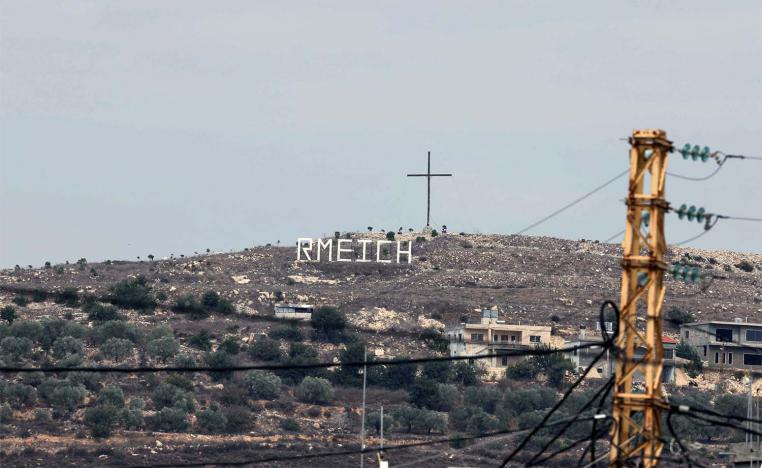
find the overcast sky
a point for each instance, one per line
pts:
(136, 128)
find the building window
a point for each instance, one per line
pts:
(503, 337)
(513, 338)
(478, 337)
(752, 359)
(753, 335)
(716, 357)
(534, 338)
(704, 350)
(723, 358)
(724, 335)
(669, 354)
(460, 337)
(730, 358)
(504, 361)
(687, 333)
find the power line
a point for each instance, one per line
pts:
(613, 237)
(387, 448)
(569, 205)
(318, 365)
(607, 345)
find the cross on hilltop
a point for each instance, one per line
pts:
(428, 176)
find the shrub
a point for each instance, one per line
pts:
(480, 422)
(390, 235)
(132, 294)
(98, 312)
(171, 420)
(21, 301)
(239, 419)
(291, 333)
(434, 233)
(440, 371)
(163, 348)
(466, 374)
(219, 360)
(15, 348)
(115, 329)
(420, 239)
(101, 420)
(214, 302)
(435, 340)
(30, 330)
(65, 346)
(212, 419)
(423, 393)
(230, 345)
(431, 421)
(160, 332)
(67, 398)
(554, 366)
(265, 349)
(6, 413)
(201, 340)
(42, 415)
(406, 417)
(68, 297)
(180, 381)
(315, 390)
(191, 307)
(328, 324)
(117, 349)
(20, 395)
(263, 385)
(745, 265)
(374, 421)
(485, 398)
(400, 376)
(524, 401)
(8, 314)
(167, 395)
(185, 360)
(291, 425)
(679, 317)
(298, 354)
(132, 416)
(112, 396)
(351, 375)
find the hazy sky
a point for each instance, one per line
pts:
(129, 128)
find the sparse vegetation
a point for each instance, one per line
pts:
(315, 390)
(329, 324)
(8, 314)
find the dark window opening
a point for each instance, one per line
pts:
(752, 359)
(723, 334)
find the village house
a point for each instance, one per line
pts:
(490, 336)
(606, 366)
(731, 345)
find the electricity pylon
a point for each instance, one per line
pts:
(636, 433)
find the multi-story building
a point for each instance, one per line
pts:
(491, 335)
(734, 345)
(605, 367)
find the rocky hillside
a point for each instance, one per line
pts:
(218, 308)
(530, 278)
